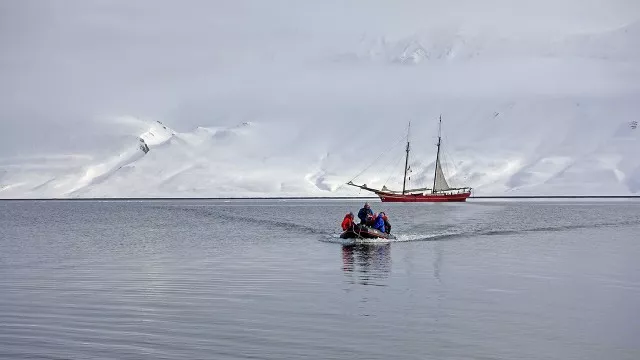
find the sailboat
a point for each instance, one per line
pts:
(440, 192)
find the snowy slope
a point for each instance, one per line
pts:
(255, 160)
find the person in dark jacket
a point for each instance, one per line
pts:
(379, 224)
(362, 214)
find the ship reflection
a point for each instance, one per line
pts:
(367, 263)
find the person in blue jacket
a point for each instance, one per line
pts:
(379, 224)
(362, 214)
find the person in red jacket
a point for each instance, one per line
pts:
(347, 223)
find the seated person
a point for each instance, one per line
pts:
(362, 214)
(347, 222)
(371, 220)
(387, 224)
(379, 223)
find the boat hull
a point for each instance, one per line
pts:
(365, 232)
(458, 197)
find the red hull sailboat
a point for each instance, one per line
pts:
(440, 192)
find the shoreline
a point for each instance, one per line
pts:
(517, 197)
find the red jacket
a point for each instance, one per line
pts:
(347, 222)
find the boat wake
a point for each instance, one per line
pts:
(335, 238)
(427, 237)
(460, 233)
(215, 213)
(497, 232)
(347, 242)
(437, 233)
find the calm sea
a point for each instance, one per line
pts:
(271, 280)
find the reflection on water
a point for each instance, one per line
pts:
(368, 262)
(437, 262)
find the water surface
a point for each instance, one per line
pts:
(271, 280)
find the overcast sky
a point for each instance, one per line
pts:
(68, 67)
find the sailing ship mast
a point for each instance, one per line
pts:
(435, 173)
(406, 162)
(440, 192)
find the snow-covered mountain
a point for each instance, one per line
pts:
(241, 114)
(254, 159)
(620, 44)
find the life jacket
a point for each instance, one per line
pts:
(379, 224)
(347, 222)
(370, 220)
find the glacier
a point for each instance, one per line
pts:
(523, 113)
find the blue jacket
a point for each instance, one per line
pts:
(379, 223)
(362, 214)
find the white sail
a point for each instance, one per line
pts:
(441, 181)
